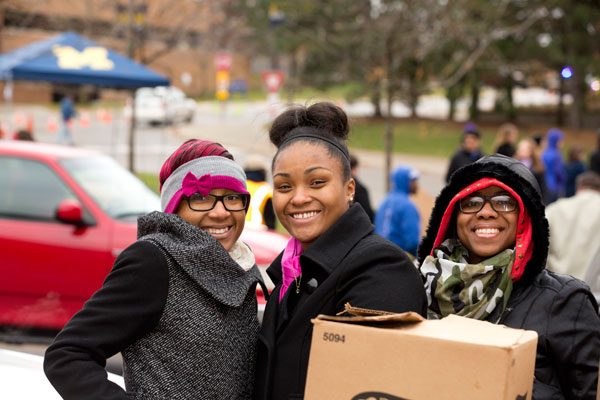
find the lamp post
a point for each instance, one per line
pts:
(565, 73)
(276, 18)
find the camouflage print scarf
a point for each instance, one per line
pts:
(453, 286)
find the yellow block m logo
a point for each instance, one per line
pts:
(93, 57)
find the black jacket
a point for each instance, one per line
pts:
(461, 158)
(361, 196)
(348, 263)
(561, 309)
(595, 162)
(507, 149)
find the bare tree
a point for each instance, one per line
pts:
(414, 31)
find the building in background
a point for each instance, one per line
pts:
(153, 32)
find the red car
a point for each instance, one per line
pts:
(65, 215)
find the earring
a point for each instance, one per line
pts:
(351, 199)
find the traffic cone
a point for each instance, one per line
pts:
(19, 119)
(104, 116)
(29, 124)
(3, 130)
(51, 125)
(108, 117)
(84, 120)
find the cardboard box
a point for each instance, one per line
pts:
(402, 356)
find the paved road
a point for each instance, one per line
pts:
(241, 127)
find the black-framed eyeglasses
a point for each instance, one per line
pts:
(231, 201)
(499, 202)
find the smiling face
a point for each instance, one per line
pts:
(310, 193)
(487, 232)
(225, 226)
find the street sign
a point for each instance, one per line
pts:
(223, 61)
(222, 85)
(273, 80)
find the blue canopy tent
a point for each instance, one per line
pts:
(71, 58)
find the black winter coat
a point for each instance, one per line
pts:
(348, 263)
(461, 158)
(563, 312)
(361, 196)
(560, 308)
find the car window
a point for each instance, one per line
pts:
(30, 189)
(114, 189)
(177, 94)
(145, 92)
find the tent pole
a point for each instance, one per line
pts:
(8, 100)
(132, 133)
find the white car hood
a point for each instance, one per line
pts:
(23, 377)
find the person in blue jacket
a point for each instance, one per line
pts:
(67, 112)
(398, 219)
(556, 178)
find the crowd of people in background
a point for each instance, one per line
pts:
(398, 220)
(542, 154)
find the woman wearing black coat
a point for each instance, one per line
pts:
(484, 257)
(333, 256)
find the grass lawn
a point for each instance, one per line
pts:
(151, 180)
(411, 136)
(441, 138)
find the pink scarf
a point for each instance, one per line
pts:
(290, 265)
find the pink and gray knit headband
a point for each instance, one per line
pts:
(201, 176)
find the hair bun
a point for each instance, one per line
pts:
(324, 116)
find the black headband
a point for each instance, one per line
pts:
(309, 132)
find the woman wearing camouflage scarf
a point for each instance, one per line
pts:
(484, 257)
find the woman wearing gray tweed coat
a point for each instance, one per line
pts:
(179, 303)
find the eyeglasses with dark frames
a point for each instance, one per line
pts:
(499, 203)
(231, 201)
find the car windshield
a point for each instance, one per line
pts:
(147, 92)
(115, 190)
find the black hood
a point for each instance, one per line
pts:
(518, 177)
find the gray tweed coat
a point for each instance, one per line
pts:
(180, 310)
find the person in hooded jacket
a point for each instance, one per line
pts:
(556, 176)
(489, 222)
(333, 256)
(397, 218)
(180, 303)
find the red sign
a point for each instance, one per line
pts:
(223, 61)
(273, 80)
